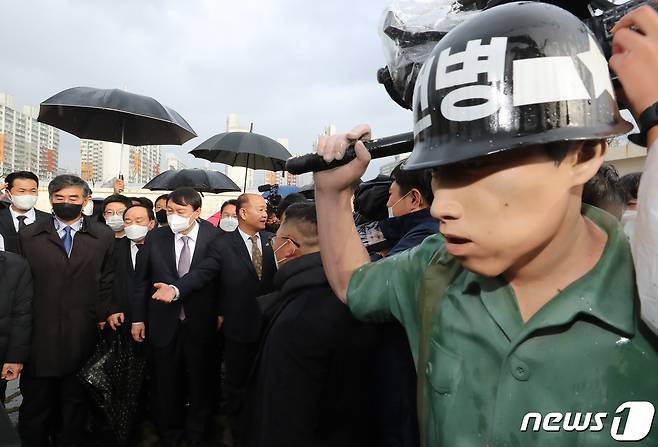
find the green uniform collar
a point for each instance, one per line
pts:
(600, 293)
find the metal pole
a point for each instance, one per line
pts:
(123, 128)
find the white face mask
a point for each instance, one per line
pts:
(115, 223)
(228, 224)
(177, 223)
(136, 232)
(25, 202)
(390, 208)
(88, 209)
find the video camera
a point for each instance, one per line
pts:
(273, 199)
(411, 29)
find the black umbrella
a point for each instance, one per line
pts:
(199, 179)
(114, 115)
(247, 149)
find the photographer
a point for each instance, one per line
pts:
(525, 305)
(635, 60)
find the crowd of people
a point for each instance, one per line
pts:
(462, 301)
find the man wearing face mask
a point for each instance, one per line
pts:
(408, 224)
(243, 264)
(181, 332)
(112, 213)
(305, 378)
(138, 221)
(228, 216)
(22, 189)
(71, 261)
(161, 210)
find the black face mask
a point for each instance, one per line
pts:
(67, 211)
(161, 216)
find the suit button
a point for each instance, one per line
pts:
(519, 369)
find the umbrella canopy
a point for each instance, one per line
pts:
(114, 115)
(199, 179)
(308, 190)
(246, 149)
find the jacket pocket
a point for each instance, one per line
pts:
(443, 369)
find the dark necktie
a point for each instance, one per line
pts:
(67, 239)
(183, 267)
(256, 256)
(21, 222)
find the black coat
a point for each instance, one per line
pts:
(309, 386)
(15, 308)
(231, 266)
(156, 262)
(71, 294)
(123, 286)
(8, 230)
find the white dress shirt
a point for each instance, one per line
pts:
(75, 227)
(178, 247)
(191, 242)
(2, 243)
(644, 242)
(30, 217)
(133, 253)
(249, 244)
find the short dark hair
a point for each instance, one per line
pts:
(604, 189)
(149, 210)
(66, 181)
(186, 196)
(289, 200)
(304, 217)
(420, 179)
(164, 197)
(227, 203)
(116, 198)
(631, 183)
(25, 175)
(142, 201)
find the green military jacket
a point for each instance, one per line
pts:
(564, 378)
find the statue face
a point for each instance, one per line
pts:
(503, 211)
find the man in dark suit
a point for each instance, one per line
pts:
(71, 261)
(138, 221)
(242, 262)
(22, 189)
(181, 331)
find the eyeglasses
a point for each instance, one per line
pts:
(275, 238)
(114, 213)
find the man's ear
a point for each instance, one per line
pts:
(151, 225)
(416, 198)
(586, 160)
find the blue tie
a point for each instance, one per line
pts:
(68, 240)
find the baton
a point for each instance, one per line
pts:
(378, 148)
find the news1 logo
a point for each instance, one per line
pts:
(632, 421)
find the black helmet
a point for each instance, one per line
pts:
(519, 74)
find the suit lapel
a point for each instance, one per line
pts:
(202, 240)
(243, 253)
(170, 250)
(268, 256)
(6, 221)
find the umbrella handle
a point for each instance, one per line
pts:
(379, 148)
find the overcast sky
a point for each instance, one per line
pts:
(289, 66)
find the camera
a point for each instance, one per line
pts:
(409, 35)
(273, 199)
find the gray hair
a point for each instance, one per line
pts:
(66, 181)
